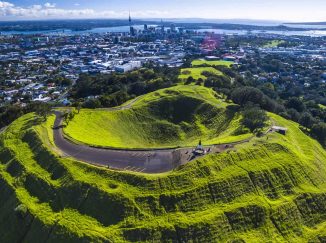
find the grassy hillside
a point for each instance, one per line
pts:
(178, 116)
(273, 43)
(322, 106)
(269, 190)
(200, 62)
(197, 72)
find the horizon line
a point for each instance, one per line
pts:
(170, 18)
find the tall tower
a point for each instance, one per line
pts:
(162, 26)
(132, 30)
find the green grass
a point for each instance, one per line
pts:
(175, 117)
(273, 43)
(200, 62)
(268, 190)
(322, 106)
(197, 72)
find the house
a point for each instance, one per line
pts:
(41, 98)
(212, 58)
(229, 58)
(281, 130)
(66, 102)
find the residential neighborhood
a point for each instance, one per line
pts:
(43, 67)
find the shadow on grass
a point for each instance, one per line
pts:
(58, 127)
(33, 122)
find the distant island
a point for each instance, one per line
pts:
(308, 23)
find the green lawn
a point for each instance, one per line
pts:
(273, 43)
(200, 62)
(267, 190)
(196, 72)
(174, 117)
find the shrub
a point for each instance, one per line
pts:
(319, 132)
(253, 118)
(21, 211)
(306, 120)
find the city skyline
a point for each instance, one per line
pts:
(286, 10)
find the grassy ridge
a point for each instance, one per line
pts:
(268, 189)
(173, 117)
(197, 72)
(200, 62)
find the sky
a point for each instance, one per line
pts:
(281, 10)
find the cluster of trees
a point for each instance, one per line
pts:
(218, 81)
(254, 118)
(12, 112)
(69, 115)
(60, 81)
(308, 114)
(114, 89)
(244, 95)
(318, 131)
(42, 109)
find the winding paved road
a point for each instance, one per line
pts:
(150, 161)
(155, 161)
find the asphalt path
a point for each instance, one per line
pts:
(154, 161)
(149, 161)
(146, 161)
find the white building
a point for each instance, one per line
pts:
(128, 67)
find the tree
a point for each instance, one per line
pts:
(218, 82)
(296, 103)
(68, 116)
(294, 114)
(319, 132)
(65, 117)
(306, 120)
(253, 117)
(66, 82)
(9, 114)
(92, 103)
(242, 96)
(42, 109)
(189, 80)
(71, 115)
(200, 81)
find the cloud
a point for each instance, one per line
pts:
(5, 4)
(50, 5)
(227, 10)
(50, 10)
